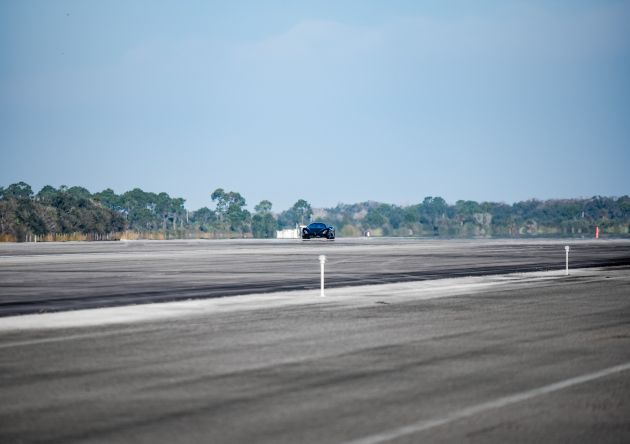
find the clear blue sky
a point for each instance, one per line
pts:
(330, 101)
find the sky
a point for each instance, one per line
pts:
(328, 101)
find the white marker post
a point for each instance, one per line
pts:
(322, 261)
(566, 250)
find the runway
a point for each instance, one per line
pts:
(66, 276)
(524, 357)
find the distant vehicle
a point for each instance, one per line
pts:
(318, 229)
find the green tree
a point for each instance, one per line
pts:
(374, 219)
(221, 198)
(230, 208)
(303, 211)
(177, 211)
(433, 212)
(47, 194)
(109, 199)
(204, 218)
(263, 207)
(20, 190)
(466, 208)
(264, 225)
(79, 193)
(299, 213)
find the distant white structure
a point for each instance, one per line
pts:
(291, 233)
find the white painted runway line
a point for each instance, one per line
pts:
(424, 425)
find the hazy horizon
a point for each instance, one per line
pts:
(330, 102)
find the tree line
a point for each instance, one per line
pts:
(73, 212)
(467, 218)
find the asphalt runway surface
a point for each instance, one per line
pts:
(533, 357)
(66, 276)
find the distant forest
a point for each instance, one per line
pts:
(73, 213)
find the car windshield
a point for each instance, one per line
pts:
(317, 225)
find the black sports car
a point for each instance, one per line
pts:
(318, 229)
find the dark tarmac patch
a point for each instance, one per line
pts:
(82, 276)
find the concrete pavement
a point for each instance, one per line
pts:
(453, 360)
